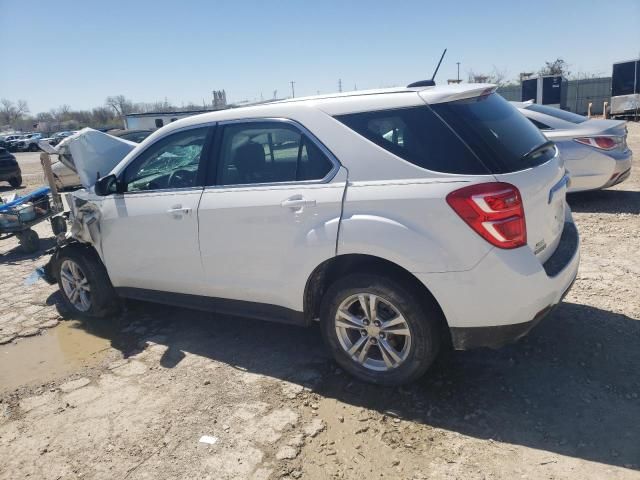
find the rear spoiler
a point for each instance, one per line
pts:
(457, 92)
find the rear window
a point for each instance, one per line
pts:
(556, 112)
(417, 135)
(503, 139)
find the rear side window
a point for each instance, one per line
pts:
(556, 112)
(504, 139)
(540, 125)
(417, 135)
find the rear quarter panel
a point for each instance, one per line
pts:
(410, 223)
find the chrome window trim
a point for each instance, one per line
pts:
(303, 130)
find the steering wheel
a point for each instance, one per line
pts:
(180, 178)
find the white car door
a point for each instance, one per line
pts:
(271, 214)
(149, 231)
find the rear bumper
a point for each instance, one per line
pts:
(506, 294)
(608, 170)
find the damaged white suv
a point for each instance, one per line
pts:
(404, 220)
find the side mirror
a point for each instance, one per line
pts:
(106, 186)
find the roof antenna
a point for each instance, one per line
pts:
(429, 83)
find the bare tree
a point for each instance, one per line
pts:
(119, 104)
(496, 76)
(555, 67)
(11, 112)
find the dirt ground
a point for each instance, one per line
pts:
(131, 398)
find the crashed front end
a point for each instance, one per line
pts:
(90, 154)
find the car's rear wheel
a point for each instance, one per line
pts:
(379, 329)
(33, 147)
(84, 284)
(16, 181)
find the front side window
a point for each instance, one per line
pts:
(171, 162)
(269, 152)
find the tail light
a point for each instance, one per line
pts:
(494, 211)
(603, 143)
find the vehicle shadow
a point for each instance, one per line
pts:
(16, 254)
(605, 201)
(571, 387)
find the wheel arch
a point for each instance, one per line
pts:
(335, 267)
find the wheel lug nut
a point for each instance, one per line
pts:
(382, 335)
(373, 340)
(365, 322)
(363, 333)
(376, 323)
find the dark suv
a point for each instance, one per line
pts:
(9, 169)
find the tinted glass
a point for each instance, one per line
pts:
(623, 80)
(556, 112)
(269, 152)
(417, 135)
(135, 136)
(171, 162)
(504, 140)
(540, 125)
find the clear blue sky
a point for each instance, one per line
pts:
(79, 52)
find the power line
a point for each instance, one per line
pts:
(340, 85)
(293, 90)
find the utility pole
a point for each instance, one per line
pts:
(293, 90)
(458, 63)
(340, 85)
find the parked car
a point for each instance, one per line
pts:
(402, 220)
(4, 141)
(58, 137)
(595, 151)
(9, 169)
(12, 145)
(28, 142)
(66, 178)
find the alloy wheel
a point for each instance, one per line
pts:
(75, 284)
(373, 332)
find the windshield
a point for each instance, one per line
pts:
(503, 139)
(557, 113)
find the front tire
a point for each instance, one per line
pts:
(380, 329)
(29, 241)
(84, 283)
(33, 147)
(16, 181)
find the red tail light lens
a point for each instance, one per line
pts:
(494, 211)
(603, 143)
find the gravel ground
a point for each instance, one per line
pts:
(562, 403)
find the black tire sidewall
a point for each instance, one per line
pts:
(15, 182)
(103, 298)
(422, 322)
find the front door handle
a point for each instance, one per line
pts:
(298, 202)
(178, 211)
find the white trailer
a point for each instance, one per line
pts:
(155, 120)
(625, 89)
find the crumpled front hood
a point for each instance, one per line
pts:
(92, 154)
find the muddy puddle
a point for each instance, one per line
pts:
(55, 353)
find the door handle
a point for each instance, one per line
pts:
(178, 211)
(298, 202)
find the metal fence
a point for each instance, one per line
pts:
(579, 94)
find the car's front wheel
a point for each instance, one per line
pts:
(84, 284)
(379, 329)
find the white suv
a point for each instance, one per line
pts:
(402, 220)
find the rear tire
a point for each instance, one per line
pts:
(15, 182)
(84, 283)
(29, 241)
(391, 358)
(33, 147)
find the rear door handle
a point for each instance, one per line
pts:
(298, 202)
(178, 211)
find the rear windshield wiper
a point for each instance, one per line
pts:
(540, 148)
